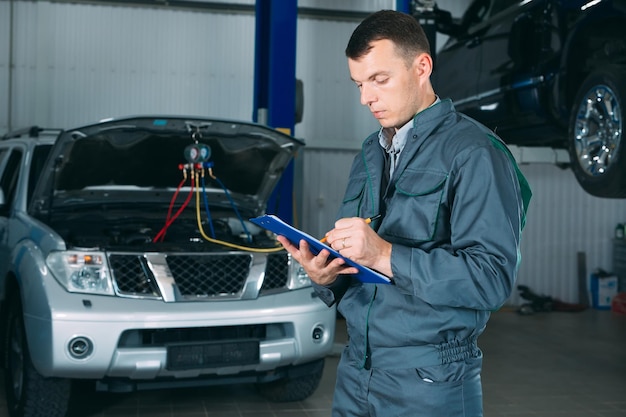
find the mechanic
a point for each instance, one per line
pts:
(452, 203)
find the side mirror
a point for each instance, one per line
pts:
(2, 198)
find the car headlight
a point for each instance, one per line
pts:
(85, 272)
(298, 278)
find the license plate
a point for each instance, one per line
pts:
(212, 355)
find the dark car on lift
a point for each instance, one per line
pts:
(544, 73)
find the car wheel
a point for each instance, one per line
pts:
(596, 145)
(28, 394)
(291, 388)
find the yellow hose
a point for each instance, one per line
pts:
(221, 242)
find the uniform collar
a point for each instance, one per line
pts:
(393, 141)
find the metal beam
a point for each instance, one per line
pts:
(226, 7)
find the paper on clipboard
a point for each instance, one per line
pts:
(276, 225)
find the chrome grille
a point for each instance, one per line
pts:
(209, 275)
(197, 276)
(276, 272)
(132, 275)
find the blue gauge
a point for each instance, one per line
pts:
(205, 152)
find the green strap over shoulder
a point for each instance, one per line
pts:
(523, 183)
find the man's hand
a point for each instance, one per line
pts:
(354, 239)
(319, 268)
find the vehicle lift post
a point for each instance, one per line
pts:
(424, 12)
(275, 86)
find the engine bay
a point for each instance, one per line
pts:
(134, 228)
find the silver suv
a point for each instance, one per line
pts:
(127, 258)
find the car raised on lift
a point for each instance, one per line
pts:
(544, 73)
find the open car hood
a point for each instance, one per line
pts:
(130, 155)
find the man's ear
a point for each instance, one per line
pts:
(423, 65)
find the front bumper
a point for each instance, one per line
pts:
(119, 385)
(296, 328)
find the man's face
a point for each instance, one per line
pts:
(390, 88)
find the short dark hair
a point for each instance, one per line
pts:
(400, 28)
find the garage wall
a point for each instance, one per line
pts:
(78, 63)
(562, 221)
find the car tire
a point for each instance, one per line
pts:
(29, 394)
(597, 144)
(291, 388)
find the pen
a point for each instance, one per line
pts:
(367, 221)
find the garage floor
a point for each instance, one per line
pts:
(545, 365)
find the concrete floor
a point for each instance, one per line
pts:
(546, 365)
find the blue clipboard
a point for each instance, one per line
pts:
(276, 225)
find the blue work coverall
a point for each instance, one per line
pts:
(453, 212)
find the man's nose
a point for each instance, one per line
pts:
(366, 96)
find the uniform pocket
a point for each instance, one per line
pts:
(440, 398)
(454, 388)
(414, 208)
(405, 393)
